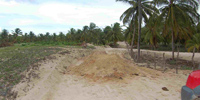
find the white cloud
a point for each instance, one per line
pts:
(72, 14)
(58, 15)
(23, 22)
(8, 3)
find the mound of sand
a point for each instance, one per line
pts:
(100, 65)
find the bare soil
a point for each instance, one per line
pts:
(103, 74)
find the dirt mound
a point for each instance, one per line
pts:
(100, 65)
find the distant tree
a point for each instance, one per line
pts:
(84, 36)
(47, 37)
(54, 37)
(16, 33)
(114, 33)
(31, 36)
(4, 35)
(61, 36)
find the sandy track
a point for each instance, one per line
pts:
(55, 84)
(168, 54)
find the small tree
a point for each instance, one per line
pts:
(194, 44)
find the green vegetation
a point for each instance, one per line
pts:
(17, 59)
(169, 20)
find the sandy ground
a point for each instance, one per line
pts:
(56, 84)
(168, 54)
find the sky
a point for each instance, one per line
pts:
(41, 16)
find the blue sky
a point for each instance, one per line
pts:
(41, 16)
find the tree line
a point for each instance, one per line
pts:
(90, 34)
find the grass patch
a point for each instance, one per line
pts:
(16, 59)
(184, 67)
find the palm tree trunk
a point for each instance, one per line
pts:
(132, 42)
(139, 29)
(177, 52)
(172, 45)
(193, 57)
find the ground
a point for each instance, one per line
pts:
(61, 79)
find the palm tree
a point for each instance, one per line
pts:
(31, 36)
(198, 27)
(72, 32)
(139, 9)
(194, 44)
(152, 30)
(4, 35)
(91, 32)
(54, 37)
(114, 33)
(62, 36)
(175, 12)
(16, 33)
(84, 33)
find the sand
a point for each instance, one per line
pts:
(64, 79)
(102, 66)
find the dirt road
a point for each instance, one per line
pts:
(55, 83)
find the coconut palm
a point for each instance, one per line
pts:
(114, 33)
(175, 13)
(4, 35)
(140, 9)
(152, 31)
(198, 27)
(84, 33)
(194, 44)
(31, 36)
(16, 32)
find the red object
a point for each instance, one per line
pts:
(193, 79)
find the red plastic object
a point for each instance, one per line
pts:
(193, 80)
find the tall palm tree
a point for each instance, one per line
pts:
(175, 12)
(139, 9)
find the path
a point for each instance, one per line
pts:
(55, 84)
